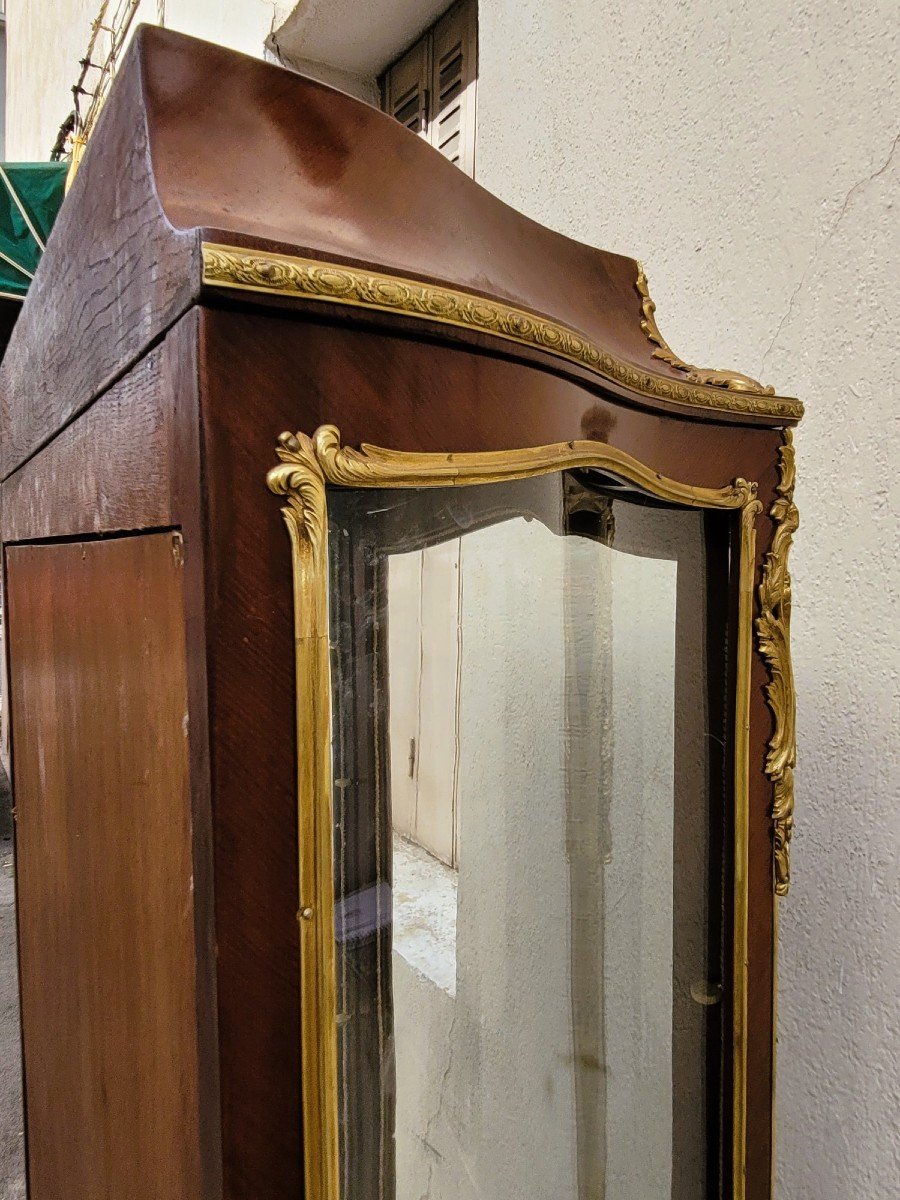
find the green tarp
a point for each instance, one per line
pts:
(30, 198)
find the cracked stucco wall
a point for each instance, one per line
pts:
(747, 153)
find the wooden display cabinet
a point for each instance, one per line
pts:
(424, 839)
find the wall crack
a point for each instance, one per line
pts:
(810, 266)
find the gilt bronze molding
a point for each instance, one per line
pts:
(733, 381)
(773, 628)
(307, 466)
(311, 279)
(374, 466)
(300, 480)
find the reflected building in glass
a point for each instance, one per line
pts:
(529, 705)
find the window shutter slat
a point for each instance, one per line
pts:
(453, 76)
(431, 89)
(405, 89)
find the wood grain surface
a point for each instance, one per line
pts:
(110, 469)
(105, 881)
(114, 276)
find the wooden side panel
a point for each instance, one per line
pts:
(105, 882)
(116, 276)
(111, 469)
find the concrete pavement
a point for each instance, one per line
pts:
(12, 1179)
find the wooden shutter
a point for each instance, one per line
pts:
(431, 89)
(453, 75)
(405, 89)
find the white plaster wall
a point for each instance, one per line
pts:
(358, 40)
(239, 24)
(44, 42)
(747, 153)
(2, 90)
(47, 38)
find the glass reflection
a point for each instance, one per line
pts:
(529, 758)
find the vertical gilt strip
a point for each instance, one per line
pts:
(773, 631)
(299, 478)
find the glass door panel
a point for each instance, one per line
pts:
(529, 714)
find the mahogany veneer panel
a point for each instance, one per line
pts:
(105, 883)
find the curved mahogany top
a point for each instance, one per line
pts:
(251, 153)
(200, 144)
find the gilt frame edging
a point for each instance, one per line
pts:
(773, 631)
(240, 269)
(307, 465)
